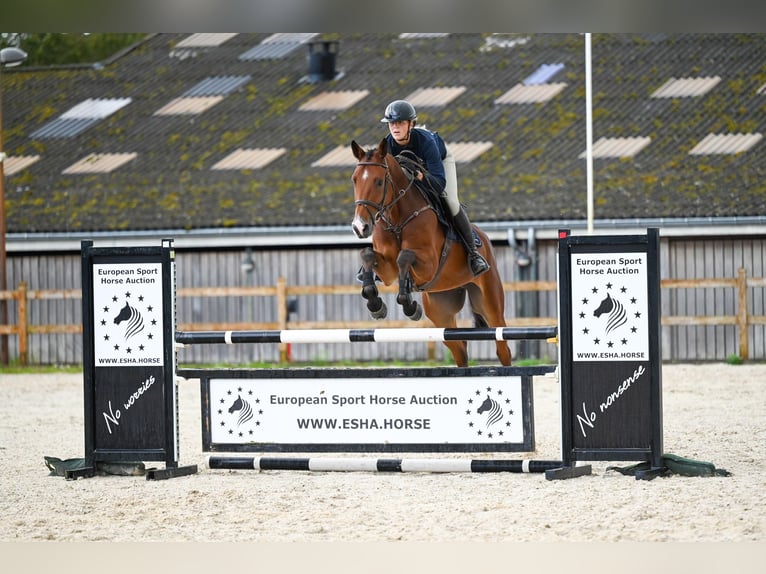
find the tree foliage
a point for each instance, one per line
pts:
(50, 49)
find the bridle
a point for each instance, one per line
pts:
(382, 210)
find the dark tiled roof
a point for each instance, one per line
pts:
(533, 171)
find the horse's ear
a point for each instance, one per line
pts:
(383, 147)
(357, 149)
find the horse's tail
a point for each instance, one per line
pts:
(479, 321)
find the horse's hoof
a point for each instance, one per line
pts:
(380, 313)
(369, 291)
(417, 312)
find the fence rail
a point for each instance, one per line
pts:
(282, 292)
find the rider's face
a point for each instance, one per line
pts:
(400, 130)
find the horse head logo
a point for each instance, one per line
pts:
(617, 315)
(246, 411)
(134, 319)
(492, 407)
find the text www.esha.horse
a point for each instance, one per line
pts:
(411, 246)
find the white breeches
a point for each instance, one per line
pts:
(450, 189)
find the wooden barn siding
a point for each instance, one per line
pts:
(688, 259)
(680, 259)
(57, 272)
(307, 267)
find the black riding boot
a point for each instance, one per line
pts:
(478, 264)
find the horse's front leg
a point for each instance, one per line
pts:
(411, 308)
(375, 304)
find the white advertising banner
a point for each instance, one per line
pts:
(374, 410)
(609, 307)
(127, 314)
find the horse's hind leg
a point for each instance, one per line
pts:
(411, 308)
(375, 304)
(442, 308)
(488, 306)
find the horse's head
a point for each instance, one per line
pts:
(485, 406)
(604, 307)
(237, 405)
(125, 314)
(371, 180)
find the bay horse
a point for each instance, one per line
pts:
(411, 246)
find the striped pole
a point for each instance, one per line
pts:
(381, 464)
(412, 335)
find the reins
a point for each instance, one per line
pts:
(384, 208)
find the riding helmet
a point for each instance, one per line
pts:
(399, 110)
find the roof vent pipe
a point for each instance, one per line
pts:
(322, 56)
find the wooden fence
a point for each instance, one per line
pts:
(282, 293)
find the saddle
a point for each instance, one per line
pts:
(411, 164)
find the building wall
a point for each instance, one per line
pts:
(681, 258)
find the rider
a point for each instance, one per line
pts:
(440, 164)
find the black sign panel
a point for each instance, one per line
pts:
(128, 358)
(609, 324)
(129, 409)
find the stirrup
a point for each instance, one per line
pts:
(478, 264)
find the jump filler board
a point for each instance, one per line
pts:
(478, 409)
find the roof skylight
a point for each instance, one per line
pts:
(535, 94)
(618, 147)
(80, 117)
(410, 35)
(14, 164)
(277, 46)
(543, 74)
(204, 40)
(726, 143)
(216, 86)
(100, 163)
(341, 100)
(686, 87)
(188, 106)
(424, 97)
(250, 158)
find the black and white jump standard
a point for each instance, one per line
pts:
(609, 370)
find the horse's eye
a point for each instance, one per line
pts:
(379, 182)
